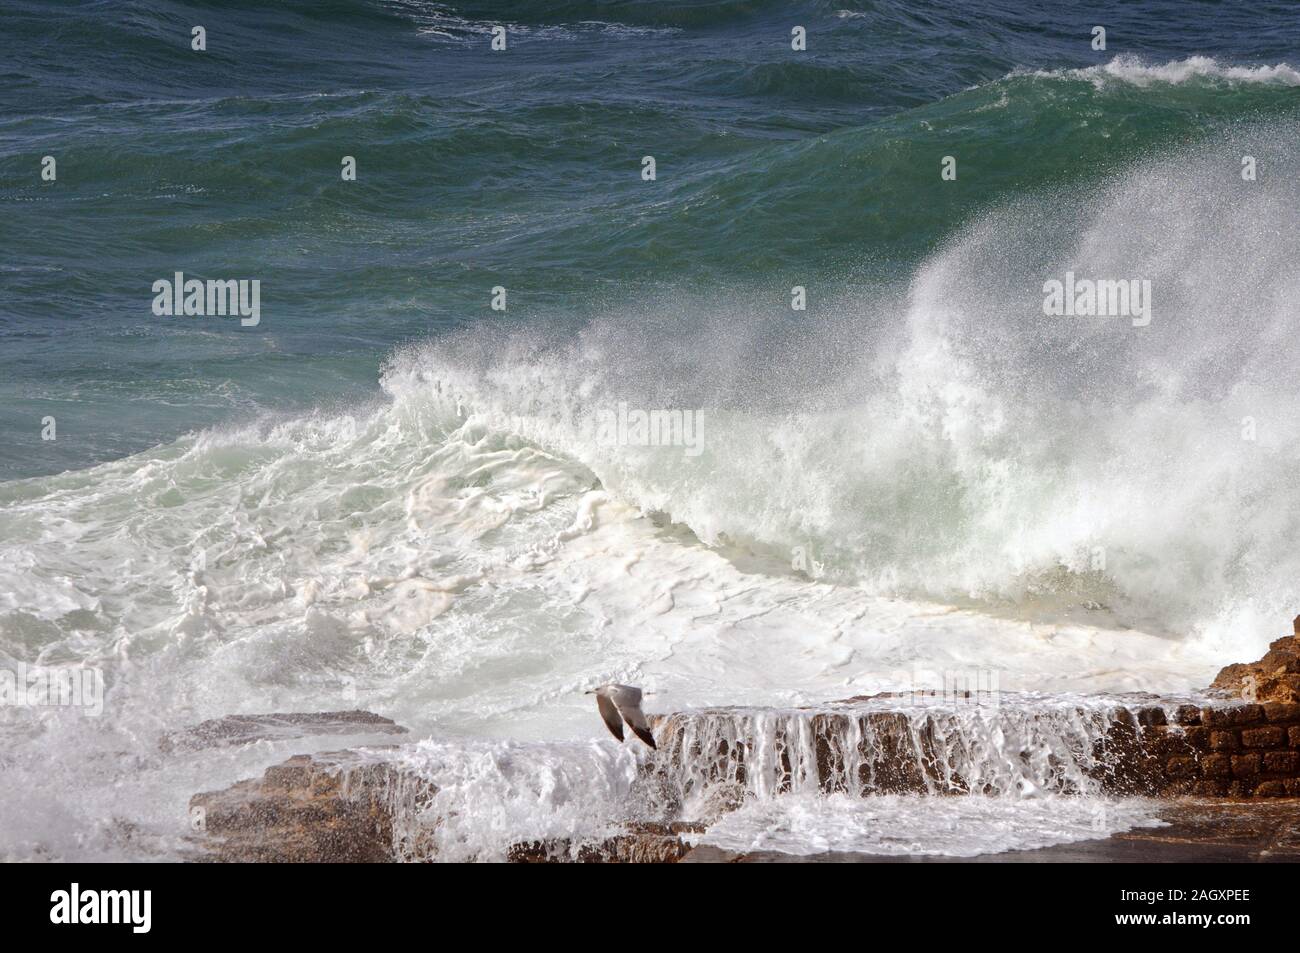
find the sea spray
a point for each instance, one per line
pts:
(1044, 461)
(1078, 508)
(713, 764)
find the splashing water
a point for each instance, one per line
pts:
(1070, 504)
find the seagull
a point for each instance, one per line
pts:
(625, 701)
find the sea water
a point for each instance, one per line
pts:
(389, 495)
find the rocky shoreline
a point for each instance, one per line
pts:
(1227, 774)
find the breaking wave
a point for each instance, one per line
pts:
(922, 471)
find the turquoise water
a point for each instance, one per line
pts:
(388, 495)
(519, 169)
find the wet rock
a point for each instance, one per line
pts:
(335, 807)
(644, 843)
(1128, 748)
(1274, 678)
(357, 807)
(235, 730)
(344, 806)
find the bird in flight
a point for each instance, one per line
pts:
(620, 703)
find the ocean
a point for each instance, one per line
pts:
(417, 485)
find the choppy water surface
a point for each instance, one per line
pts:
(389, 496)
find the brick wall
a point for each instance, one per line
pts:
(1228, 749)
(1222, 751)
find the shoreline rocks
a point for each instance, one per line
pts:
(334, 807)
(1238, 751)
(1274, 678)
(1232, 756)
(340, 807)
(1136, 749)
(643, 843)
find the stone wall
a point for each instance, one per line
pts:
(1240, 751)
(346, 806)
(1227, 749)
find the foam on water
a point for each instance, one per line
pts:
(465, 556)
(874, 777)
(492, 796)
(1133, 70)
(896, 826)
(950, 440)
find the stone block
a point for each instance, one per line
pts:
(1224, 741)
(1216, 766)
(1245, 765)
(1233, 717)
(1281, 711)
(1282, 762)
(1269, 737)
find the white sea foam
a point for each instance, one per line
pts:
(948, 442)
(1134, 71)
(895, 825)
(464, 556)
(805, 781)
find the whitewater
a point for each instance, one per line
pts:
(1077, 505)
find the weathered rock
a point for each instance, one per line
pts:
(338, 807)
(1245, 765)
(1223, 741)
(1270, 736)
(1282, 762)
(245, 729)
(1281, 712)
(335, 807)
(1216, 766)
(864, 748)
(1274, 678)
(644, 843)
(1231, 716)
(348, 806)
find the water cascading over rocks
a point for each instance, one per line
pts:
(714, 757)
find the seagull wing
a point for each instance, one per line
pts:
(610, 713)
(635, 719)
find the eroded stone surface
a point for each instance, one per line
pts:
(1274, 678)
(335, 807)
(340, 807)
(643, 843)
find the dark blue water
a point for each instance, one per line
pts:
(389, 495)
(480, 168)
